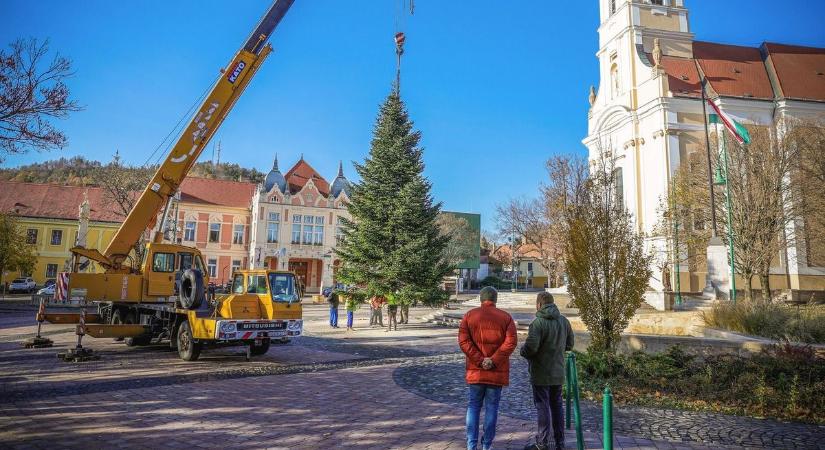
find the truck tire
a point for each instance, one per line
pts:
(191, 289)
(188, 349)
(258, 350)
(131, 319)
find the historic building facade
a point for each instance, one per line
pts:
(647, 113)
(49, 215)
(296, 223)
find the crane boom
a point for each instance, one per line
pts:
(194, 138)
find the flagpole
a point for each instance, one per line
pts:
(710, 164)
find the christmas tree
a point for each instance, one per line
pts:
(393, 246)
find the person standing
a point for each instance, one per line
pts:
(351, 305)
(549, 337)
(487, 337)
(392, 312)
(376, 316)
(405, 312)
(333, 300)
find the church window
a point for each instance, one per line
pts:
(618, 183)
(614, 80)
(612, 7)
(657, 2)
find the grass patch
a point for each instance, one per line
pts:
(785, 382)
(795, 324)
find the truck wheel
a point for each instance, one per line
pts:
(258, 350)
(117, 319)
(131, 319)
(188, 349)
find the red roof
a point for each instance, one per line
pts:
(207, 191)
(800, 70)
(54, 201)
(683, 77)
(734, 71)
(300, 173)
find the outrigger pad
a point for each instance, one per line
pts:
(78, 355)
(37, 342)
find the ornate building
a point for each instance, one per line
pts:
(296, 223)
(647, 114)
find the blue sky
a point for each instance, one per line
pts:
(495, 87)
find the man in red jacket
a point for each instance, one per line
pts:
(487, 336)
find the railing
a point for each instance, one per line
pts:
(572, 397)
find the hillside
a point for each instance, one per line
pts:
(79, 171)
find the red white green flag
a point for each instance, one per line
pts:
(739, 132)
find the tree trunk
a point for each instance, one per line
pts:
(765, 280)
(750, 287)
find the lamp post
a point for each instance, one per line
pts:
(723, 178)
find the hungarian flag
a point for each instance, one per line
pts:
(739, 132)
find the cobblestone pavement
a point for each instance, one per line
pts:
(328, 389)
(441, 379)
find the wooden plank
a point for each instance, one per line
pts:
(61, 318)
(111, 331)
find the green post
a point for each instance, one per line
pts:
(675, 218)
(607, 406)
(730, 221)
(569, 394)
(576, 410)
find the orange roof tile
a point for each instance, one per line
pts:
(236, 194)
(800, 70)
(54, 201)
(300, 173)
(734, 71)
(683, 77)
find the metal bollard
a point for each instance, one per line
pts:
(576, 410)
(568, 365)
(607, 407)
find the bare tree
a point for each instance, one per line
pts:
(123, 185)
(607, 266)
(461, 239)
(810, 137)
(767, 204)
(32, 91)
(535, 224)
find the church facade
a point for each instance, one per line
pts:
(647, 114)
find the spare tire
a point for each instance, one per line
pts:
(191, 289)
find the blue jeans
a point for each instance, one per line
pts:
(350, 317)
(333, 316)
(478, 395)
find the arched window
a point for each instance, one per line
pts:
(612, 7)
(614, 80)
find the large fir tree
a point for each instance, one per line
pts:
(393, 245)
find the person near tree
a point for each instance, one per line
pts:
(404, 309)
(351, 305)
(549, 337)
(487, 337)
(376, 316)
(392, 312)
(333, 299)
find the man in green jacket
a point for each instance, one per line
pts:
(549, 337)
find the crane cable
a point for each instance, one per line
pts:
(400, 37)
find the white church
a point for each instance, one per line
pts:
(647, 112)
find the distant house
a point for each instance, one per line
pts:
(527, 266)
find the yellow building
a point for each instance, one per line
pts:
(49, 216)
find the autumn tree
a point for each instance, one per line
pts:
(15, 253)
(33, 91)
(607, 266)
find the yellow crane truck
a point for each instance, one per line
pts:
(163, 297)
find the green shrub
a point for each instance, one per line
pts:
(796, 324)
(496, 282)
(785, 381)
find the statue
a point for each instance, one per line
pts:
(592, 96)
(657, 54)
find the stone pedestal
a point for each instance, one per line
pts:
(718, 277)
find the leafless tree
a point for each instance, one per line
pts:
(461, 239)
(32, 91)
(123, 185)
